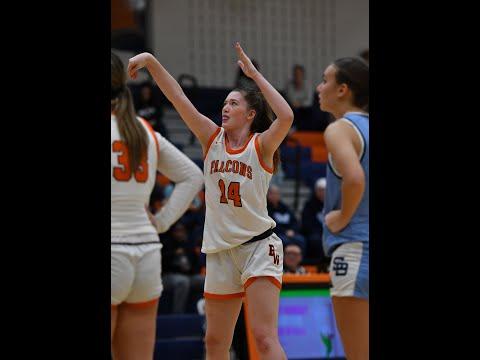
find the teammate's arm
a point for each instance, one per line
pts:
(201, 126)
(270, 139)
(188, 180)
(339, 140)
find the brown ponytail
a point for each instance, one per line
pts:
(132, 132)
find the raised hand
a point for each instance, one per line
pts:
(136, 63)
(245, 63)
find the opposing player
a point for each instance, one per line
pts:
(344, 92)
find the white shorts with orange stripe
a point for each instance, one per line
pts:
(135, 273)
(230, 272)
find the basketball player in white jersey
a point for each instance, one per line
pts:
(135, 247)
(244, 256)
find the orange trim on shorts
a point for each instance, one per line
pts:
(149, 127)
(143, 304)
(223, 296)
(274, 281)
(210, 141)
(237, 151)
(259, 154)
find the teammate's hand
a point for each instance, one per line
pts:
(151, 217)
(335, 222)
(245, 63)
(136, 63)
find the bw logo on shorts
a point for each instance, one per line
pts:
(340, 266)
(276, 257)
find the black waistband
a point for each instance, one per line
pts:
(262, 236)
(135, 244)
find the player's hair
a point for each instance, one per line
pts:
(355, 74)
(132, 132)
(263, 113)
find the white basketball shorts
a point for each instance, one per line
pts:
(230, 272)
(135, 273)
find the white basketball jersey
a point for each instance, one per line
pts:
(131, 192)
(236, 185)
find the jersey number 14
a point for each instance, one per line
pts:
(233, 193)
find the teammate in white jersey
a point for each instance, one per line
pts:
(135, 247)
(244, 256)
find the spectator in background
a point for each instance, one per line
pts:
(287, 227)
(292, 257)
(180, 267)
(312, 220)
(299, 97)
(148, 109)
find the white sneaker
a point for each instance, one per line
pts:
(201, 306)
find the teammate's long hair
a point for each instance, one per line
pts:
(263, 113)
(132, 132)
(355, 73)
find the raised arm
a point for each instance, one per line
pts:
(270, 139)
(201, 126)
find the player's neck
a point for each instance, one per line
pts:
(342, 110)
(237, 138)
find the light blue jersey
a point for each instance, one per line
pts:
(358, 228)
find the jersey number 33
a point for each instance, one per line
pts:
(123, 172)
